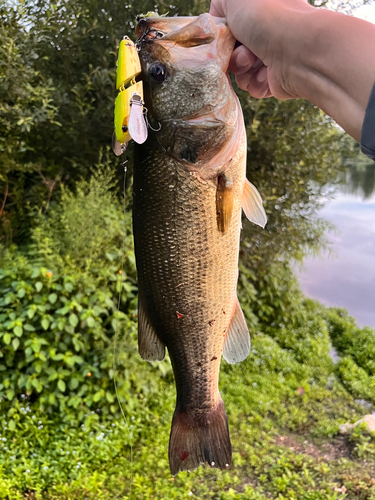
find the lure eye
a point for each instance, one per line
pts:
(158, 72)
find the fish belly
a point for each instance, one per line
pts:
(187, 274)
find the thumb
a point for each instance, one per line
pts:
(217, 9)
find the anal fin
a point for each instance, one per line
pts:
(237, 341)
(252, 205)
(150, 347)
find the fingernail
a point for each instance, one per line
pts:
(242, 60)
(262, 75)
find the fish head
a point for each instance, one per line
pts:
(188, 93)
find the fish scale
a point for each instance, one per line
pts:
(178, 243)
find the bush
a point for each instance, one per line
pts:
(59, 307)
(56, 329)
(349, 340)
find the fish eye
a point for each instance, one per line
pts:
(158, 72)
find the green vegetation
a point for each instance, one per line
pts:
(64, 343)
(63, 436)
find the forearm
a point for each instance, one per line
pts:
(334, 65)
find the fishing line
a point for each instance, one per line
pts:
(116, 332)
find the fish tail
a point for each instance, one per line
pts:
(199, 436)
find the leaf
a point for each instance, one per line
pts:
(11, 425)
(68, 287)
(38, 286)
(69, 361)
(31, 313)
(35, 273)
(35, 345)
(7, 338)
(110, 397)
(61, 385)
(53, 376)
(73, 320)
(63, 310)
(97, 396)
(35, 383)
(15, 343)
(90, 321)
(74, 383)
(45, 323)
(21, 293)
(52, 298)
(28, 327)
(10, 394)
(18, 330)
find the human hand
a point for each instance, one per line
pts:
(262, 63)
(291, 50)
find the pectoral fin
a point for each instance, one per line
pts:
(237, 341)
(224, 203)
(252, 205)
(150, 347)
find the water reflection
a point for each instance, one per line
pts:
(348, 280)
(358, 179)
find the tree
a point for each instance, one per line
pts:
(70, 55)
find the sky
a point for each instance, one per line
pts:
(366, 12)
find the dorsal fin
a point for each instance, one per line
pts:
(150, 347)
(252, 205)
(237, 341)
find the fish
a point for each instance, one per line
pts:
(189, 188)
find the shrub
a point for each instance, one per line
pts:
(350, 340)
(59, 306)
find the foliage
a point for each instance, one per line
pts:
(364, 442)
(26, 106)
(86, 228)
(281, 416)
(61, 435)
(290, 174)
(58, 309)
(293, 149)
(63, 339)
(359, 343)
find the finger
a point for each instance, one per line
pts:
(242, 60)
(255, 82)
(216, 9)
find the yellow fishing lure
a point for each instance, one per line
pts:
(129, 105)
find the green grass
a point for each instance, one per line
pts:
(284, 415)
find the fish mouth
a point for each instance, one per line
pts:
(174, 32)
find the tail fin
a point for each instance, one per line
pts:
(199, 436)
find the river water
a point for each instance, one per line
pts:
(345, 277)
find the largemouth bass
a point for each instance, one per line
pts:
(189, 187)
